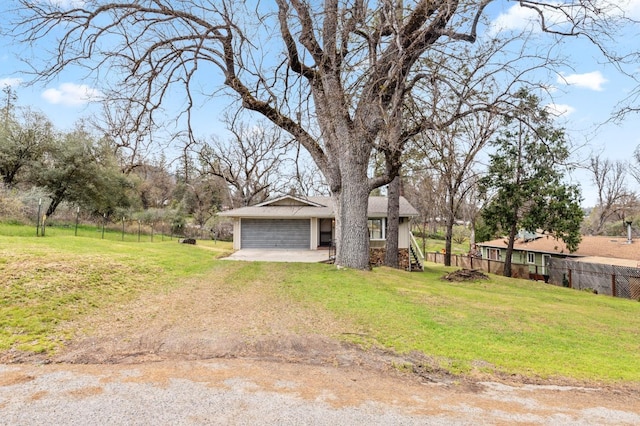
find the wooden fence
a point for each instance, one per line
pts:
(486, 265)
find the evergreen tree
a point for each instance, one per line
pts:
(525, 179)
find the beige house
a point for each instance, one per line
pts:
(290, 222)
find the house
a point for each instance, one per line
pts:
(536, 250)
(603, 265)
(290, 222)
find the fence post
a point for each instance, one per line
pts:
(38, 217)
(77, 217)
(613, 285)
(570, 279)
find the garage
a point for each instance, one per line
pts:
(276, 233)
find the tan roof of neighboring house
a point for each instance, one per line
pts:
(318, 207)
(608, 261)
(603, 247)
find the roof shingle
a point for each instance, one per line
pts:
(322, 209)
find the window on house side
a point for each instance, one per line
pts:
(376, 229)
(494, 254)
(531, 257)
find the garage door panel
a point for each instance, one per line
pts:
(276, 233)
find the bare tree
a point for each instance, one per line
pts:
(203, 198)
(634, 164)
(345, 66)
(424, 191)
(394, 190)
(25, 137)
(609, 178)
(155, 183)
(451, 153)
(250, 162)
(305, 179)
(127, 131)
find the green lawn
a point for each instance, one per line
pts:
(498, 325)
(48, 280)
(432, 245)
(512, 326)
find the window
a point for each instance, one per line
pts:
(546, 259)
(493, 254)
(531, 257)
(376, 229)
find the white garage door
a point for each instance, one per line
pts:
(276, 233)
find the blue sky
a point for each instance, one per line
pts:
(585, 95)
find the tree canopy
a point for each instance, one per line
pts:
(334, 74)
(525, 180)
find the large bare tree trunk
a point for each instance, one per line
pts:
(353, 201)
(448, 237)
(393, 223)
(354, 234)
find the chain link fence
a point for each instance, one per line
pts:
(612, 280)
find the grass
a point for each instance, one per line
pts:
(498, 325)
(114, 232)
(47, 281)
(432, 245)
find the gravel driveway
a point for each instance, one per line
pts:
(244, 391)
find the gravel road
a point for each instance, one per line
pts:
(256, 392)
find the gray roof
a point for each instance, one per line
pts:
(309, 207)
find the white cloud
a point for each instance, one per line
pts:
(591, 80)
(12, 82)
(628, 8)
(67, 4)
(559, 110)
(516, 18)
(71, 94)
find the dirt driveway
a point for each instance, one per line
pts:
(214, 352)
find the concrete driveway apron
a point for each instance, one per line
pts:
(271, 255)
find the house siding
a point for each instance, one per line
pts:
(315, 233)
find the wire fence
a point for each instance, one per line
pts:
(612, 280)
(128, 230)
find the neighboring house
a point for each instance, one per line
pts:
(290, 222)
(535, 250)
